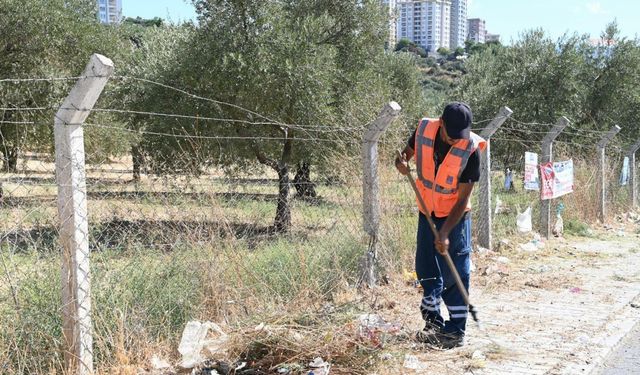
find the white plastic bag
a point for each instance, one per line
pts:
(500, 207)
(524, 221)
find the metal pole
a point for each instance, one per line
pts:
(72, 211)
(484, 209)
(602, 144)
(370, 185)
(633, 185)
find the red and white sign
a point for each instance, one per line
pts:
(557, 179)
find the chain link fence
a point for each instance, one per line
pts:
(263, 240)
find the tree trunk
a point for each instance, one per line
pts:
(138, 160)
(10, 159)
(302, 181)
(282, 222)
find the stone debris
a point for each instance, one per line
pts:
(478, 355)
(412, 362)
(158, 363)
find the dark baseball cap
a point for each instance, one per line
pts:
(457, 119)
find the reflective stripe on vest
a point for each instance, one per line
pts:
(421, 140)
(439, 189)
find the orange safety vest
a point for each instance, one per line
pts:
(440, 192)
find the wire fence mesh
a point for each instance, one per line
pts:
(262, 241)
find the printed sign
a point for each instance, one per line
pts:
(531, 178)
(624, 175)
(557, 179)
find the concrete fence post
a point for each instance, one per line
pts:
(602, 180)
(370, 184)
(547, 157)
(484, 199)
(633, 184)
(72, 211)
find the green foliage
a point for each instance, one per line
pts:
(443, 51)
(268, 66)
(577, 228)
(52, 38)
(151, 297)
(36, 328)
(286, 274)
(405, 45)
(155, 21)
(541, 79)
(152, 287)
(473, 48)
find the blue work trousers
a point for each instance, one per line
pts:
(436, 278)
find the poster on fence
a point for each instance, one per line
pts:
(557, 179)
(531, 178)
(624, 175)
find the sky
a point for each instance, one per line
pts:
(174, 10)
(509, 18)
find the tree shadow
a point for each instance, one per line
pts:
(50, 200)
(48, 179)
(28, 202)
(123, 235)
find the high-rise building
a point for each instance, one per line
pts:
(492, 38)
(393, 19)
(458, 23)
(477, 30)
(109, 11)
(425, 22)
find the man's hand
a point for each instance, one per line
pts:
(402, 161)
(442, 245)
(402, 166)
(464, 192)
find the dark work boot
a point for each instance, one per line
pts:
(429, 334)
(449, 340)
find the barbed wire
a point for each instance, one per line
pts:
(204, 137)
(317, 128)
(19, 109)
(18, 122)
(198, 97)
(521, 141)
(587, 130)
(514, 119)
(480, 122)
(45, 79)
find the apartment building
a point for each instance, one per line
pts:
(477, 30)
(427, 23)
(109, 11)
(393, 19)
(459, 9)
(492, 38)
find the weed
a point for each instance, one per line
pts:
(577, 228)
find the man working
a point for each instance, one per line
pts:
(448, 165)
